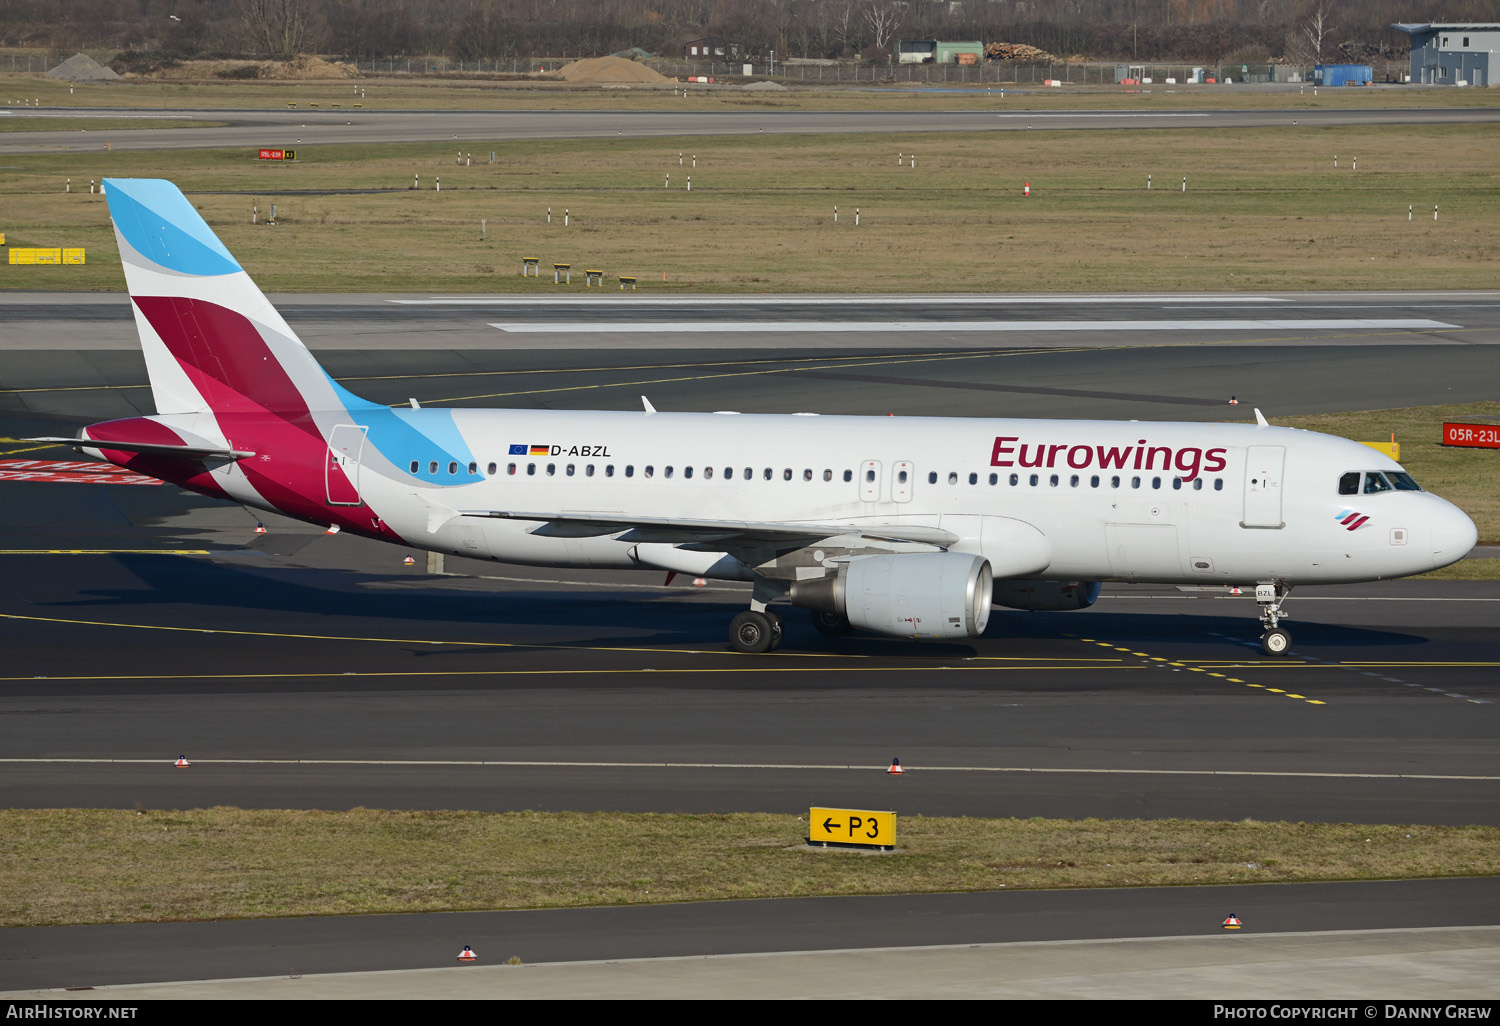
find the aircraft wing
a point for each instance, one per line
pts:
(203, 452)
(684, 531)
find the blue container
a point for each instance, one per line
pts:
(1342, 74)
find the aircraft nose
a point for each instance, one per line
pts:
(1453, 535)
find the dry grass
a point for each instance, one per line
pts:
(1469, 478)
(1264, 210)
(81, 866)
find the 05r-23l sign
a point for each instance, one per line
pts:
(851, 828)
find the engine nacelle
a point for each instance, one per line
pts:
(1046, 595)
(908, 595)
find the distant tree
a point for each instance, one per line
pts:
(884, 17)
(278, 28)
(1317, 27)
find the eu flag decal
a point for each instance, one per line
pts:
(518, 450)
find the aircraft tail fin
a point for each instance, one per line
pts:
(212, 341)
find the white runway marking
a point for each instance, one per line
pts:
(167, 763)
(907, 327)
(822, 300)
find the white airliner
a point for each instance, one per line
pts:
(904, 526)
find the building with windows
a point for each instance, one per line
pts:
(1453, 54)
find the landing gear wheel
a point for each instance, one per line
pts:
(832, 624)
(778, 632)
(1276, 641)
(752, 632)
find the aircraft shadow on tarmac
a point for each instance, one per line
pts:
(638, 618)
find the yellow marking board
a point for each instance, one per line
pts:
(1391, 448)
(851, 828)
(73, 256)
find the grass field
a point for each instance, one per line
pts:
(90, 866)
(1264, 209)
(88, 124)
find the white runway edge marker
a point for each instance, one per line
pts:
(705, 327)
(545, 764)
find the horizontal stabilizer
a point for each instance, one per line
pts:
(685, 530)
(193, 451)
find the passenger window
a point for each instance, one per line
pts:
(1135, 482)
(1197, 484)
(708, 473)
(1156, 482)
(901, 477)
(686, 472)
(828, 475)
(414, 466)
(786, 474)
(453, 466)
(669, 472)
(869, 475)
(807, 474)
(1073, 481)
(1094, 481)
(649, 471)
(748, 474)
(630, 470)
(848, 475)
(767, 473)
(1053, 481)
(1375, 483)
(1114, 482)
(973, 479)
(1035, 480)
(432, 467)
(952, 478)
(932, 477)
(531, 470)
(491, 470)
(1218, 484)
(1015, 479)
(994, 479)
(552, 470)
(510, 468)
(1349, 483)
(609, 470)
(588, 471)
(1176, 484)
(571, 468)
(474, 468)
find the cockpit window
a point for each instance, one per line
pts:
(1376, 483)
(1404, 482)
(1349, 483)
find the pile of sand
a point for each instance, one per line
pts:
(309, 67)
(594, 70)
(82, 68)
(765, 87)
(300, 69)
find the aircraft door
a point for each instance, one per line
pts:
(1263, 471)
(341, 472)
(901, 480)
(869, 481)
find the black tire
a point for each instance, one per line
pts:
(832, 624)
(751, 632)
(1276, 642)
(778, 630)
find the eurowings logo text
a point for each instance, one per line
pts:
(1352, 520)
(1140, 456)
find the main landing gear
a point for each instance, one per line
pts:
(755, 631)
(1276, 640)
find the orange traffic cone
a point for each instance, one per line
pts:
(1231, 923)
(182, 762)
(467, 954)
(1233, 401)
(1235, 590)
(699, 582)
(260, 528)
(332, 529)
(895, 769)
(409, 561)
(1026, 189)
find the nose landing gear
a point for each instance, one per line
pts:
(1276, 640)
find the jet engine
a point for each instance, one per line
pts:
(909, 594)
(1046, 595)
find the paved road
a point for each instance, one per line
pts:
(81, 956)
(308, 127)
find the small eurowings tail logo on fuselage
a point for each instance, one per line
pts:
(1352, 520)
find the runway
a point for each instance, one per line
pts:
(306, 128)
(301, 670)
